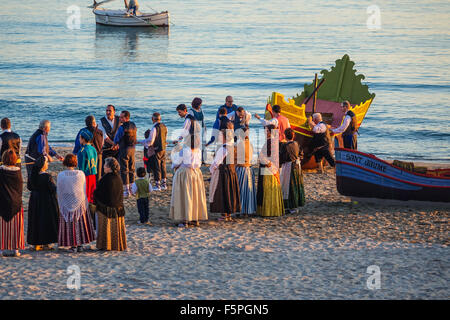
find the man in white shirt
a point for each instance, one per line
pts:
(240, 118)
(156, 144)
(321, 140)
(109, 124)
(348, 128)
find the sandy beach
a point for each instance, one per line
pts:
(321, 252)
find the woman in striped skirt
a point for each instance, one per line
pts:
(246, 178)
(11, 210)
(75, 223)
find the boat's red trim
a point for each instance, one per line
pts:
(390, 177)
(390, 164)
(301, 130)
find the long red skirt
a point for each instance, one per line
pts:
(11, 233)
(91, 184)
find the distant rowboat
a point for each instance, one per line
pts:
(122, 18)
(125, 18)
(363, 175)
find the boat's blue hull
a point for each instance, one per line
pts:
(363, 175)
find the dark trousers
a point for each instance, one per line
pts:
(157, 167)
(143, 209)
(350, 141)
(324, 153)
(127, 164)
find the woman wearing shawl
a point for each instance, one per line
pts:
(188, 201)
(11, 210)
(43, 211)
(87, 162)
(246, 178)
(75, 223)
(291, 173)
(224, 196)
(108, 199)
(269, 196)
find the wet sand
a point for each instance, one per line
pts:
(321, 252)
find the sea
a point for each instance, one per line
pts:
(57, 64)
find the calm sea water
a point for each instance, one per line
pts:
(242, 48)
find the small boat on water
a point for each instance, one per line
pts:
(363, 175)
(125, 18)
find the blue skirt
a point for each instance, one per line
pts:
(247, 188)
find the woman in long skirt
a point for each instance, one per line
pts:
(108, 197)
(43, 210)
(11, 211)
(246, 178)
(224, 196)
(269, 196)
(75, 223)
(87, 162)
(188, 201)
(291, 173)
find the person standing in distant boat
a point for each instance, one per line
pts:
(132, 5)
(348, 128)
(109, 125)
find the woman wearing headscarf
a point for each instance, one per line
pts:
(43, 211)
(87, 162)
(224, 196)
(108, 199)
(11, 210)
(246, 178)
(269, 197)
(75, 223)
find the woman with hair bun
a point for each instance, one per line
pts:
(43, 211)
(108, 198)
(11, 210)
(75, 223)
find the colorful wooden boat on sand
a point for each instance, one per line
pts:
(342, 83)
(363, 175)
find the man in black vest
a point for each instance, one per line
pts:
(37, 146)
(156, 144)
(321, 142)
(348, 127)
(191, 129)
(9, 139)
(97, 142)
(125, 141)
(109, 125)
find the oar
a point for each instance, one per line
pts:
(143, 20)
(96, 4)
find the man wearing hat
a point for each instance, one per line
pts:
(348, 127)
(87, 162)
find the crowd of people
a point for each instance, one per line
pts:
(87, 201)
